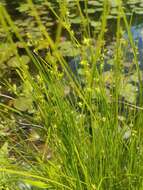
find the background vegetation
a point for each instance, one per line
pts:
(71, 95)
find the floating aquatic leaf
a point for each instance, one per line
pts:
(95, 3)
(90, 10)
(68, 49)
(6, 51)
(138, 10)
(141, 5)
(113, 3)
(24, 7)
(129, 92)
(130, 2)
(25, 59)
(23, 103)
(98, 9)
(134, 77)
(112, 17)
(72, 15)
(95, 24)
(114, 11)
(76, 20)
(42, 44)
(13, 62)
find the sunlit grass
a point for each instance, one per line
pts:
(82, 146)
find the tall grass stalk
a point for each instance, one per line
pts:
(87, 151)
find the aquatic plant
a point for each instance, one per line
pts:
(71, 100)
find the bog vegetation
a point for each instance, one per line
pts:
(71, 106)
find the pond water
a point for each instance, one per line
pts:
(130, 90)
(137, 35)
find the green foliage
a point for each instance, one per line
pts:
(39, 184)
(66, 130)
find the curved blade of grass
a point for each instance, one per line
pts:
(26, 174)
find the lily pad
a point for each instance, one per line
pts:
(132, 2)
(90, 10)
(68, 49)
(95, 24)
(25, 59)
(129, 92)
(14, 61)
(134, 77)
(95, 3)
(23, 103)
(6, 51)
(76, 20)
(113, 3)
